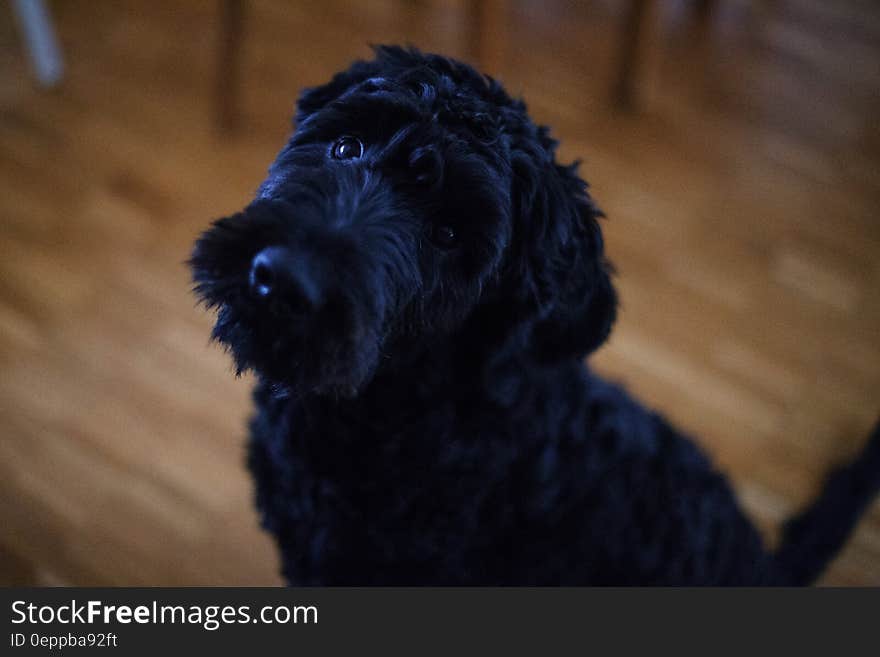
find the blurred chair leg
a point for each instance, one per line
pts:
(704, 9)
(39, 35)
(634, 54)
(488, 34)
(229, 65)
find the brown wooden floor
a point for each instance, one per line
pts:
(744, 218)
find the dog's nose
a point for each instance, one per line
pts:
(277, 274)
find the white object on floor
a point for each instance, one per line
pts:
(39, 35)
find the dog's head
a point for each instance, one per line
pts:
(415, 200)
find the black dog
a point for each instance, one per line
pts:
(417, 285)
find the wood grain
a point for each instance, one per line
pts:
(743, 220)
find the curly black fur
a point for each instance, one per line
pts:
(424, 413)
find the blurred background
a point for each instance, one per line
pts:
(734, 145)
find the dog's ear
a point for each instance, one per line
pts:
(561, 257)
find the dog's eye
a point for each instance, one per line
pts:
(347, 148)
(443, 236)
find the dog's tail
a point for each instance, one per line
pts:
(812, 538)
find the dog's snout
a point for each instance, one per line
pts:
(276, 273)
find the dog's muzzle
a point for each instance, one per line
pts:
(302, 300)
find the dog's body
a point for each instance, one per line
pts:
(417, 286)
(414, 483)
